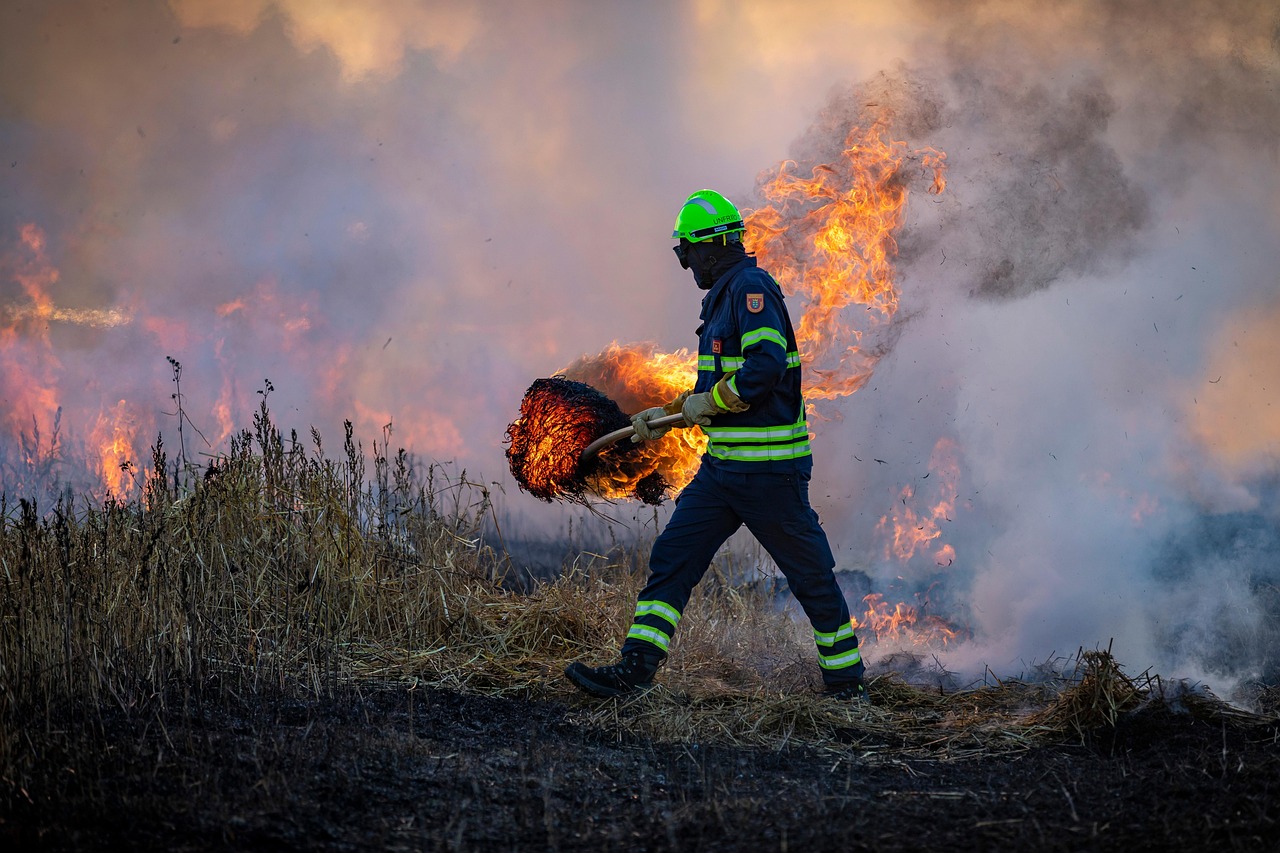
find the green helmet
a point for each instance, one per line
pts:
(707, 214)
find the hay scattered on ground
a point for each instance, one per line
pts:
(712, 695)
(280, 572)
(1096, 697)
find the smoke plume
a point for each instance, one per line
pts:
(402, 213)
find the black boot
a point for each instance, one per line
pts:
(633, 672)
(854, 691)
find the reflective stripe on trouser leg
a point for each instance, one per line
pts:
(837, 649)
(655, 622)
(699, 525)
(776, 510)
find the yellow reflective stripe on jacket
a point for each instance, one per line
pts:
(764, 333)
(759, 444)
(758, 435)
(759, 452)
(715, 395)
(734, 362)
(707, 362)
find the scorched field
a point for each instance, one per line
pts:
(294, 652)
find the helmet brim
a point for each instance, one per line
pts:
(697, 236)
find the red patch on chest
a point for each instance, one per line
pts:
(716, 346)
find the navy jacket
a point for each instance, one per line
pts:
(747, 332)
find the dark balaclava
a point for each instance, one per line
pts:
(710, 259)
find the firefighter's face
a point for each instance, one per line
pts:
(698, 258)
(682, 252)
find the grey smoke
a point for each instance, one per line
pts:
(419, 246)
(1045, 194)
(1223, 608)
(1110, 210)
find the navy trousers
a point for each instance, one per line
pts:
(775, 508)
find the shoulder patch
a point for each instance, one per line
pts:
(755, 302)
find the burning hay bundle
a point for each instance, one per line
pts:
(559, 419)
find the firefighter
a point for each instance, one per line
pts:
(756, 468)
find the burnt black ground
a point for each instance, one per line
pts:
(435, 770)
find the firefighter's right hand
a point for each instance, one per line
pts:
(640, 423)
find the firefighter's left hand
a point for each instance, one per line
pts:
(699, 409)
(640, 422)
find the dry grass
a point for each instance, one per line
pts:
(1100, 694)
(282, 572)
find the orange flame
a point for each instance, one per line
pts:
(29, 371)
(637, 378)
(113, 439)
(828, 239)
(27, 364)
(909, 530)
(905, 624)
(559, 419)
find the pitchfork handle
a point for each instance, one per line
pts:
(626, 432)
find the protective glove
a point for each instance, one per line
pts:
(640, 422)
(700, 408)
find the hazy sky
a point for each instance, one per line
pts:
(407, 211)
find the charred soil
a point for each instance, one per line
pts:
(287, 654)
(393, 768)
